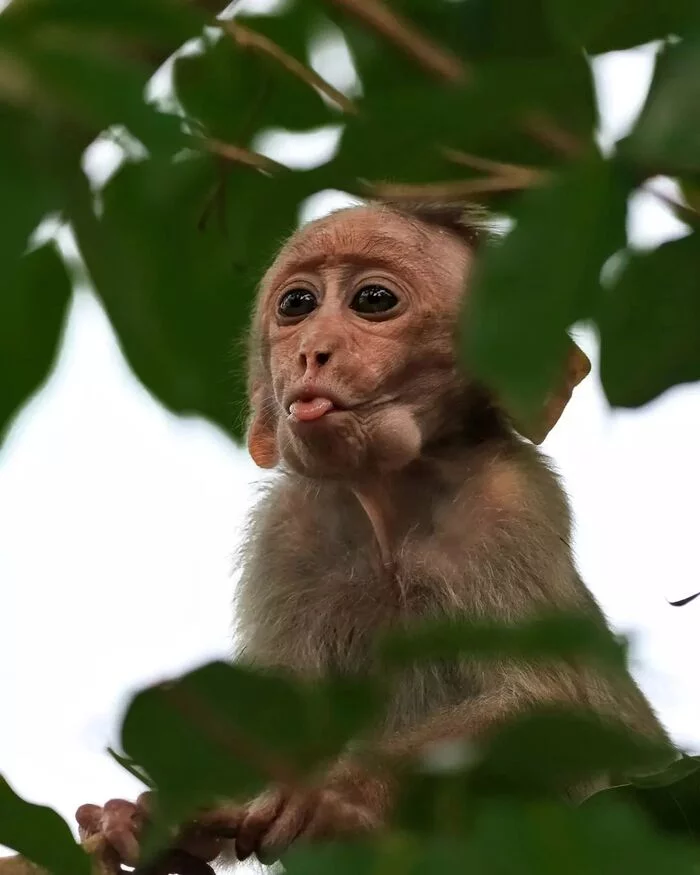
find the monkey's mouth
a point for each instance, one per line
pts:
(311, 409)
(312, 406)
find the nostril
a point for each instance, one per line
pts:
(322, 358)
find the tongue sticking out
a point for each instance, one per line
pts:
(314, 408)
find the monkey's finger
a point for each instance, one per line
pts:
(260, 814)
(224, 820)
(340, 820)
(89, 819)
(145, 803)
(287, 826)
(121, 824)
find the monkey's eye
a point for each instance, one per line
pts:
(297, 302)
(373, 299)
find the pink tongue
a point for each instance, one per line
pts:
(307, 411)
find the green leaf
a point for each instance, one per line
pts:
(29, 191)
(613, 25)
(543, 638)
(160, 22)
(670, 799)
(544, 276)
(176, 257)
(97, 89)
(666, 138)
(33, 306)
(225, 731)
(556, 747)
(649, 322)
(39, 834)
(236, 92)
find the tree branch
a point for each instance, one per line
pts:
(250, 39)
(426, 52)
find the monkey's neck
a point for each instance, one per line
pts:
(375, 504)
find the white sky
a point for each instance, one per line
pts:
(118, 522)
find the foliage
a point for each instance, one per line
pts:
(485, 99)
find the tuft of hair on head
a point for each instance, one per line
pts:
(471, 223)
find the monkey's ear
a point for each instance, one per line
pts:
(576, 368)
(262, 432)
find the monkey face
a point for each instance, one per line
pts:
(356, 326)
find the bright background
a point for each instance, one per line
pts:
(118, 521)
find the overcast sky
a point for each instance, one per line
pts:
(118, 522)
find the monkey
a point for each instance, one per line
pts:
(403, 491)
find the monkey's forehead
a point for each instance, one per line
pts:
(371, 235)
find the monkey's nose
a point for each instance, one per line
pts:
(316, 359)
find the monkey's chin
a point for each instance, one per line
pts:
(345, 445)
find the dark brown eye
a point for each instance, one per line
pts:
(297, 302)
(374, 299)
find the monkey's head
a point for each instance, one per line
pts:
(353, 368)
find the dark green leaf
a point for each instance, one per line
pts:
(33, 306)
(28, 191)
(236, 92)
(612, 25)
(670, 799)
(556, 747)
(649, 324)
(39, 834)
(225, 731)
(176, 258)
(161, 22)
(544, 638)
(666, 138)
(545, 276)
(98, 89)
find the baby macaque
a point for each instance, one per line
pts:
(404, 492)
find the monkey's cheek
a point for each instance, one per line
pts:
(397, 440)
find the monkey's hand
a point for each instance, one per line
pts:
(112, 833)
(271, 822)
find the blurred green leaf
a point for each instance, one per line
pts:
(613, 25)
(33, 307)
(176, 256)
(680, 769)
(648, 323)
(28, 191)
(554, 747)
(544, 276)
(168, 22)
(666, 137)
(544, 638)
(237, 730)
(669, 799)
(97, 89)
(39, 834)
(235, 91)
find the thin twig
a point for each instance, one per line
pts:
(477, 162)
(251, 39)
(436, 59)
(239, 155)
(550, 133)
(525, 177)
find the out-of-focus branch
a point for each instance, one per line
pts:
(503, 177)
(426, 52)
(250, 39)
(238, 155)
